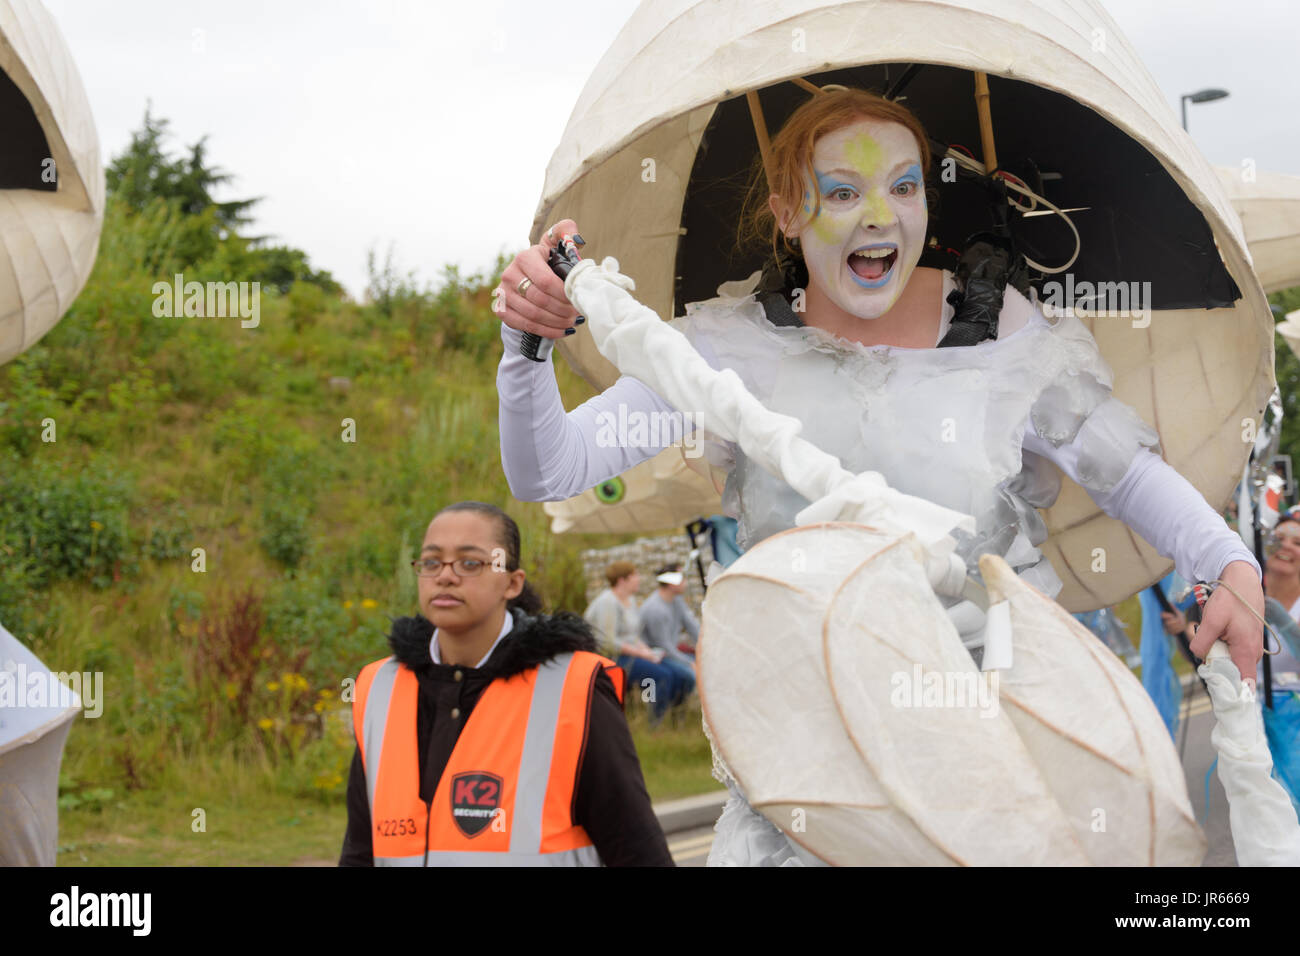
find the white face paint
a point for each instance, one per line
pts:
(868, 175)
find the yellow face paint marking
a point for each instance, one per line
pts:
(864, 155)
(824, 228)
(846, 221)
(874, 208)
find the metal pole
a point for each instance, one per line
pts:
(1259, 556)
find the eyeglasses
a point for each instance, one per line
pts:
(1276, 539)
(464, 567)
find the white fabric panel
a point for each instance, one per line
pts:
(31, 750)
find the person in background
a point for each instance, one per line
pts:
(664, 615)
(1282, 592)
(493, 734)
(1282, 611)
(614, 616)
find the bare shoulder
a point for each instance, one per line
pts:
(929, 279)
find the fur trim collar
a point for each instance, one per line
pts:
(531, 641)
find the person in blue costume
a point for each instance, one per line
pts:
(1282, 586)
(1160, 628)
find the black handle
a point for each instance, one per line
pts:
(562, 259)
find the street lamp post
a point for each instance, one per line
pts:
(1200, 96)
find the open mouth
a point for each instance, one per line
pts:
(873, 265)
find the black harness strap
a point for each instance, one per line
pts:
(982, 276)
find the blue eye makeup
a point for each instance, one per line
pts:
(913, 176)
(828, 184)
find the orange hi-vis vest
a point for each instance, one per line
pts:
(506, 795)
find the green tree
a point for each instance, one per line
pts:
(145, 172)
(149, 181)
(282, 266)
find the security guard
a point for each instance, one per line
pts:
(492, 737)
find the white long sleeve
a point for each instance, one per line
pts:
(1162, 506)
(550, 455)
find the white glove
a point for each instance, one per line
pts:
(607, 271)
(1263, 822)
(969, 621)
(868, 499)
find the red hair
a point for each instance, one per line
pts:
(791, 156)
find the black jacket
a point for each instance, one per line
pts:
(610, 799)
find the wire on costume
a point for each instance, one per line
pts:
(1016, 184)
(1231, 590)
(963, 157)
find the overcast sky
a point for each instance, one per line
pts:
(428, 124)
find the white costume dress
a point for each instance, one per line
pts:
(969, 428)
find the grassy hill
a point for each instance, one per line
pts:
(222, 686)
(179, 510)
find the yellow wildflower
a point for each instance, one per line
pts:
(273, 686)
(266, 723)
(347, 604)
(369, 604)
(97, 526)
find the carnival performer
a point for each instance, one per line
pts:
(849, 347)
(493, 735)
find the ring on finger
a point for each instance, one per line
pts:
(523, 285)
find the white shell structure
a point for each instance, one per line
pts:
(32, 734)
(1194, 374)
(1095, 733)
(842, 701)
(1269, 207)
(48, 239)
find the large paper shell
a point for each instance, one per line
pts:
(1095, 732)
(820, 651)
(48, 238)
(1194, 374)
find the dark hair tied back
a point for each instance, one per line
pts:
(528, 600)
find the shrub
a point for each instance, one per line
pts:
(29, 403)
(305, 612)
(18, 611)
(169, 536)
(68, 520)
(285, 537)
